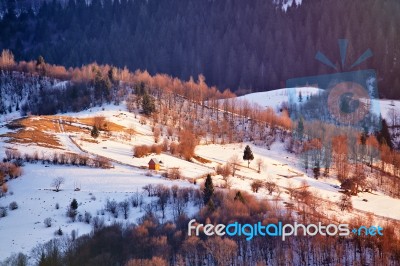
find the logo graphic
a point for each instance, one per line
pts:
(348, 98)
(283, 231)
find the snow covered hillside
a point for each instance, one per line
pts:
(69, 134)
(275, 98)
(389, 109)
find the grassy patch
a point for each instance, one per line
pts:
(201, 159)
(34, 130)
(107, 125)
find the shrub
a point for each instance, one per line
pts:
(271, 187)
(59, 232)
(47, 222)
(136, 199)
(256, 185)
(111, 206)
(4, 188)
(173, 148)
(102, 162)
(345, 203)
(141, 151)
(71, 213)
(174, 173)
(165, 145)
(13, 205)
(3, 212)
(73, 235)
(157, 149)
(224, 170)
(97, 223)
(87, 217)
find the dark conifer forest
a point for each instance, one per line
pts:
(243, 45)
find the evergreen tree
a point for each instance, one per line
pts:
(300, 129)
(102, 87)
(300, 97)
(148, 104)
(317, 169)
(208, 190)
(74, 204)
(383, 135)
(95, 132)
(248, 155)
(211, 205)
(239, 197)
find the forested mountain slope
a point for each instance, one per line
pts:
(249, 45)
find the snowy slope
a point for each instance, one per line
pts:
(23, 228)
(279, 163)
(275, 98)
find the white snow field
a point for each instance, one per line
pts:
(389, 109)
(275, 98)
(22, 229)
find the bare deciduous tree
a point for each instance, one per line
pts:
(260, 164)
(234, 161)
(124, 207)
(345, 203)
(256, 185)
(57, 182)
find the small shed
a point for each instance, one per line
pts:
(154, 164)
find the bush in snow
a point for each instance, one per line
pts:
(136, 199)
(47, 222)
(124, 207)
(87, 217)
(111, 206)
(57, 206)
(3, 211)
(15, 259)
(73, 235)
(71, 213)
(59, 232)
(98, 223)
(256, 185)
(13, 206)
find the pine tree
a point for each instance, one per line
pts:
(317, 169)
(239, 197)
(95, 132)
(74, 204)
(211, 205)
(208, 190)
(300, 129)
(383, 135)
(300, 97)
(248, 155)
(148, 104)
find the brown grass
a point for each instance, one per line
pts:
(110, 126)
(89, 140)
(38, 137)
(38, 129)
(35, 129)
(201, 159)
